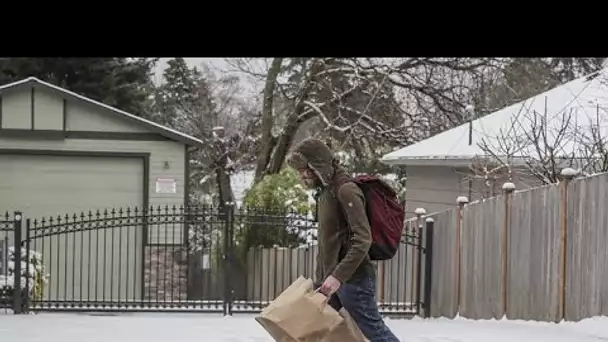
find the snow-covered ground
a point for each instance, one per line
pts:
(242, 328)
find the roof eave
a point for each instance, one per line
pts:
(439, 161)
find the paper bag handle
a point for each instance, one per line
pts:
(320, 299)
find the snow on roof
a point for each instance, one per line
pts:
(163, 130)
(506, 132)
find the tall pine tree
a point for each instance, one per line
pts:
(185, 101)
(180, 92)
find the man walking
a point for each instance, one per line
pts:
(344, 270)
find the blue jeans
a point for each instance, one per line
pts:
(358, 297)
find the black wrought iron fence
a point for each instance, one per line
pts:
(188, 259)
(126, 259)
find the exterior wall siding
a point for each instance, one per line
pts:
(48, 110)
(17, 110)
(436, 188)
(49, 114)
(82, 117)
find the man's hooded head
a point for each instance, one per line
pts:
(314, 160)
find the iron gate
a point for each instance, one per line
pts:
(11, 285)
(203, 259)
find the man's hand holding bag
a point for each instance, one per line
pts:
(299, 314)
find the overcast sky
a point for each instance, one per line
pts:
(218, 65)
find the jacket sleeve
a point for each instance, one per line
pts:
(319, 271)
(353, 204)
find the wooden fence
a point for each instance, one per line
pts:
(272, 270)
(539, 254)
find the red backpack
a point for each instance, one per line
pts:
(385, 213)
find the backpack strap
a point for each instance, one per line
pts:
(337, 183)
(333, 189)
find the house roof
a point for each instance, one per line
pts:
(506, 131)
(152, 126)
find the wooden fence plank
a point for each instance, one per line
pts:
(535, 249)
(445, 282)
(587, 255)
(481, 291)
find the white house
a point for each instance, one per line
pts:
(563, 119)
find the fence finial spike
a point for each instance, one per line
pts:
(420, 211)
(508, 186)
(569, 172)
(462, 200)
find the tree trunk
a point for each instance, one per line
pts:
(195, 276)
(222, 177)
(277, 154)
(266, 145)
(224, 187)
(294, 121)
(281, 148)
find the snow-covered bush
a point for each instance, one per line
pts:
(304, 226)
(33, 270)
(279, 192)
(277, 212)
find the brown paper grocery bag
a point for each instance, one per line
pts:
(299, 314)
(345, 331)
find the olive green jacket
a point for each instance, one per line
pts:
(344, 234)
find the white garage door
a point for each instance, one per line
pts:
(90, 260)
(42, 186)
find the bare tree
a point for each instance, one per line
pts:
(217, 119)
(534, 145)
(368, 106)
(591, 141)
(540, 144)
(516, 79)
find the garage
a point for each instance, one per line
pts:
(45, 187)
(62, 154)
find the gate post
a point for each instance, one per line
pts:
(17, 292)
(462, 201)
(418, 256)
(26, 304)
(428, 265)
(227, 256)
(508, 189)
(567, 174)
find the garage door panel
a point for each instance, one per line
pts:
(54, 185)
(84, 264)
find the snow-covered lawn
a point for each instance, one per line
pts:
(242, 328)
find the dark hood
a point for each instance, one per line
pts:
(315, 154)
